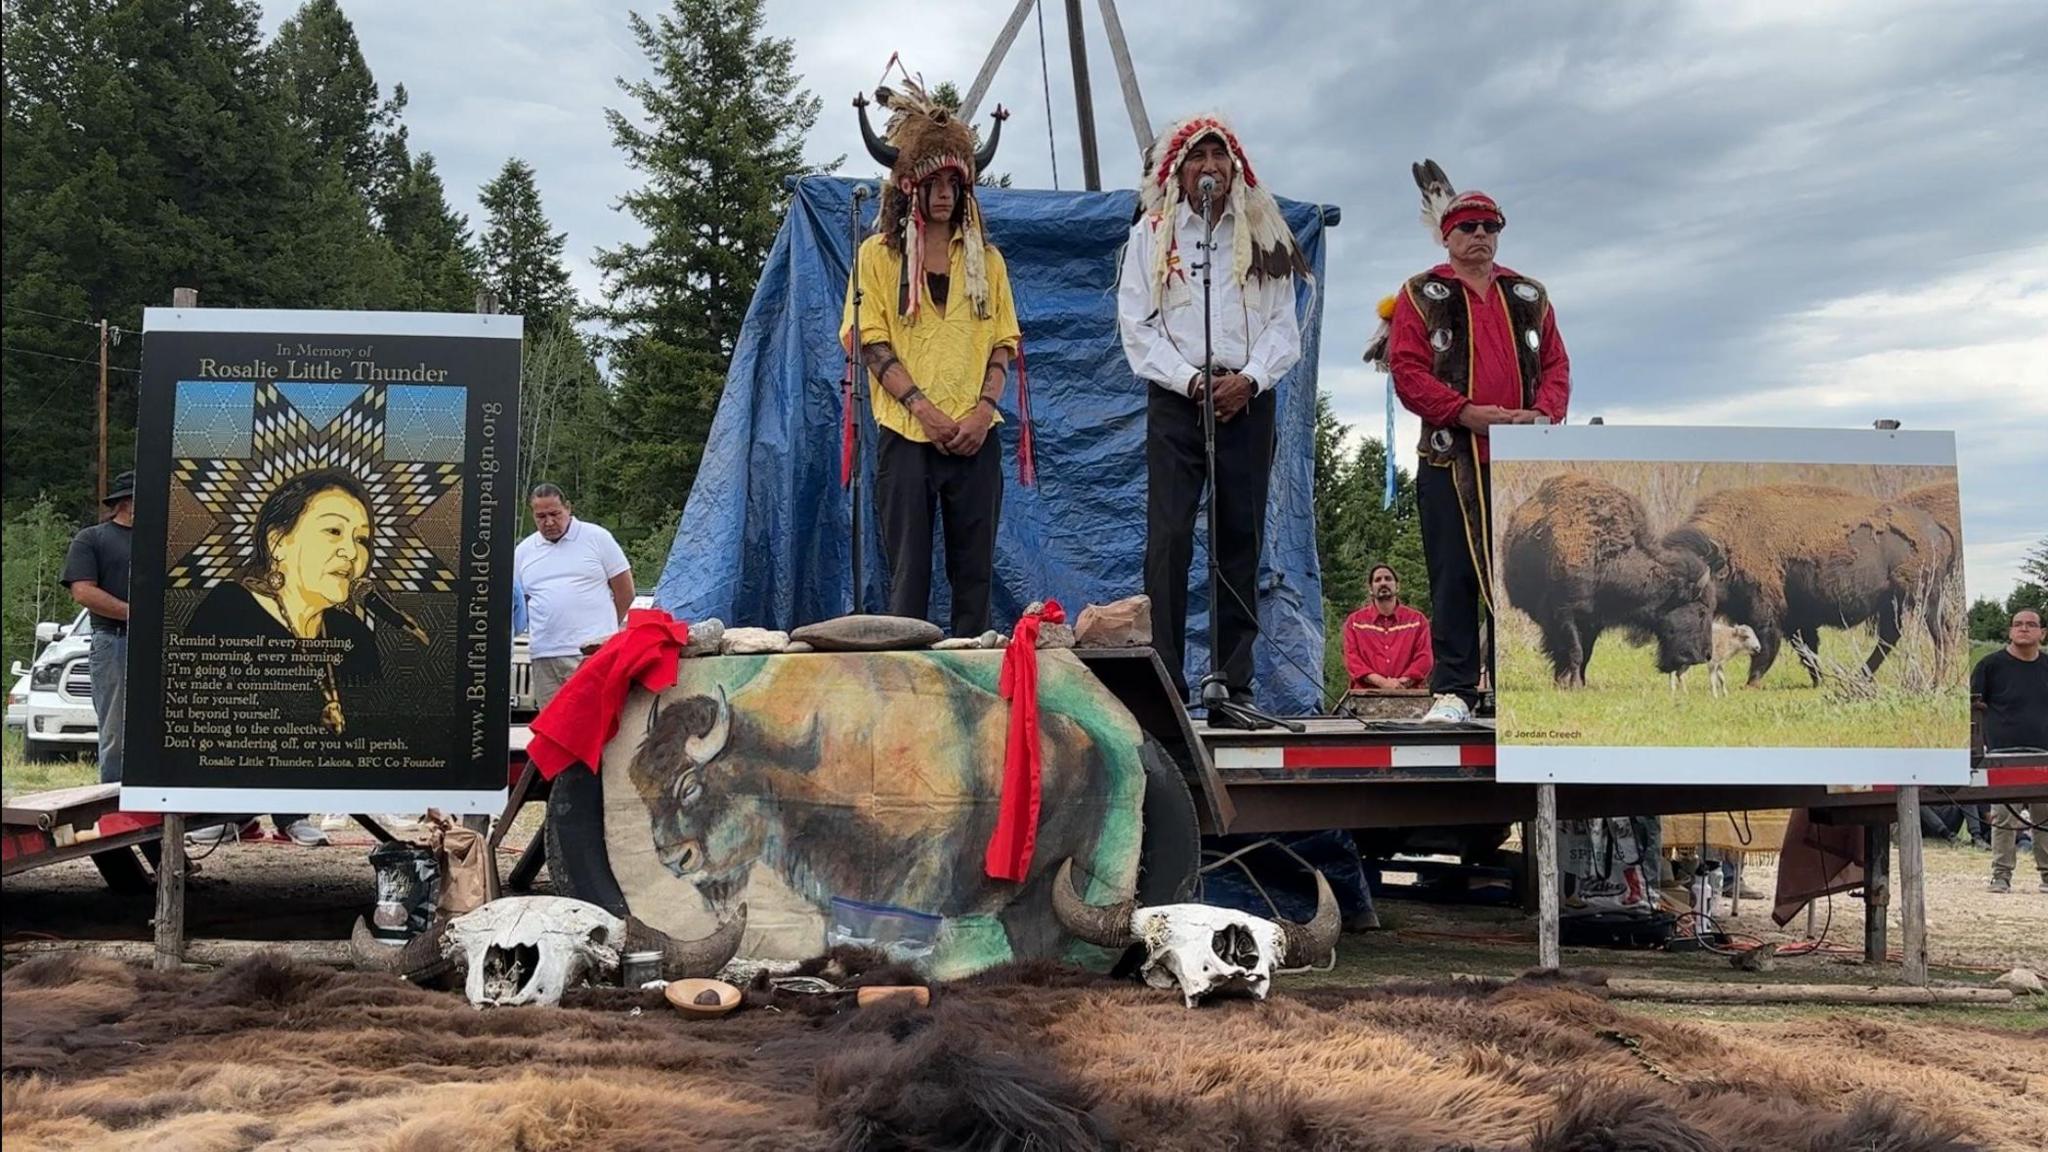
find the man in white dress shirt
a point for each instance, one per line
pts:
(577, 584)
(1254, 339)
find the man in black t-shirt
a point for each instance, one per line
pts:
(2011, 685)
(96, 572)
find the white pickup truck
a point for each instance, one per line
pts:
(56, 715)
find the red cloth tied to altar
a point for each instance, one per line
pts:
(584, 716)
(1016, 834)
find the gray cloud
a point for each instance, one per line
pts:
(1749, 212)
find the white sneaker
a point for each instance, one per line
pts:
(1449, 708)
(215, 835)
(305, 834)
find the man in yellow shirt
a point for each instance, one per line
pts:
(938, 330)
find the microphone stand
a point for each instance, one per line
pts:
(856, 381)
(1215, 689)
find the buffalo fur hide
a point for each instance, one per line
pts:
(267, 1054)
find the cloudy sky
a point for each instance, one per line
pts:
(1749, 212)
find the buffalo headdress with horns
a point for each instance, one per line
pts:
(920, 140)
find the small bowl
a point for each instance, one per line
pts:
(683, 994)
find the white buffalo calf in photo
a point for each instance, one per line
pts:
(1729, 639)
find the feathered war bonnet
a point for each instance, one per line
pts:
(1261, 245)
(921, 140)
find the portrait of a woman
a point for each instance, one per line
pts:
(311, 548)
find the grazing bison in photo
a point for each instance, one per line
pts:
(1790, 558)
(1944, 504)
(1580, 559)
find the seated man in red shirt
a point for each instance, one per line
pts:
(1386, 643)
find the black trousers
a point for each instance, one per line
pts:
(1174, 470)
(1453, 580)
(912, 480)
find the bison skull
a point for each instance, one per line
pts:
(531, 949)
(1200, 949)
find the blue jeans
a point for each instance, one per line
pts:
(109, 664)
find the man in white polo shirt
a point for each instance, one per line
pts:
(577, 585)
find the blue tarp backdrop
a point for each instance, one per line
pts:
(765, 538)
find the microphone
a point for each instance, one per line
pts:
(1208, 187)
(393, 615)
(860, 193)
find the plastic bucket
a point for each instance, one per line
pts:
(408, 890)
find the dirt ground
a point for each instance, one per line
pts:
(267, 889)
(270, 889)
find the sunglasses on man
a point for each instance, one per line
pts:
(1468, 227)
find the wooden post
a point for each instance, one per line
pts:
(1543, 831)
(1134, 101)
(103, 411)
(987, 75)
(1707, 992)
(1912, 887)
(170, 869)
(1877, 884)
(170, 896)
(1084, 104)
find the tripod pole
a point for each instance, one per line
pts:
(856, 381)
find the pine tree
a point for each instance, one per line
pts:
(521, 253)
(1354, 532)
(2034, 569)
(564, 423)
(724, 126)
(141, 142)
(565, 434)
(332, 100)
(2032, 589)
(430, 240)
(36, 541)
(1988, 620)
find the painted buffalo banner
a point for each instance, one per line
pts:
(790, 782)
(1738, 605)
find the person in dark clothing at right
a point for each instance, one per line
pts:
(2011, 686)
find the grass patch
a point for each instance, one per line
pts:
(19, 777)
(1628, 703)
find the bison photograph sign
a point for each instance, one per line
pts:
(1729, 605)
